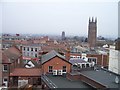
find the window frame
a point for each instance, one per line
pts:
(36, 50)
(64, 69)
(50, 70)
(27, 48)
(4, 68)
(31, 49)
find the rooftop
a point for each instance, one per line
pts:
(51, 55)
(62, 82)
(102, 76)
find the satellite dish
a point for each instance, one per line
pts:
(116, 79)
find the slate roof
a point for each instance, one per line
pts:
(74, 60)
(102, 76)
(26, 72)
(51, 55)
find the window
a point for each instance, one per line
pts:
(27, 54)
(35, 49)
(64, 68)
(94, 60)
(24, 48)
(5, 79)
(5, 68)
(50, 69)
(18, 61)
(28, 49)
(35, 55)
(31, 54)
(31, 49)
(89, 59)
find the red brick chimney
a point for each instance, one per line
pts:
(67, 54)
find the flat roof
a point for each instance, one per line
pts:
(102, 76)
(63, 82)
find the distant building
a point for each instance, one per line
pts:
(30, 50)
(92, 32)
(0, 67)
(14, 37)
(114, 58)
(119, 19)
(63, 35)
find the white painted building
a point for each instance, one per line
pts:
(114, 60)
(31, 50)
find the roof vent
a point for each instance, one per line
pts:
(116, 80)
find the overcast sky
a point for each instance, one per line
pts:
(55, 16)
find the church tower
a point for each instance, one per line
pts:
(92, 32)
(63, 35)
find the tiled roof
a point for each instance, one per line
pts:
(12, 53)
(50, 55)
(26, 72)
(50, 47)
(4, 58)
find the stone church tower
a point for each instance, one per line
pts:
(92, 32)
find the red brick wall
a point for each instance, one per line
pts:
(57, 64)
(99, 59)
(73, 77)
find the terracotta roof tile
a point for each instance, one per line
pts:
(4, 57)
(26, 72)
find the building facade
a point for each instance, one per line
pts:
(92, 32)
(114, 60)
(55, 63)
(11, 59)
(30, 50)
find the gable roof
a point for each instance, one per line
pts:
(12, 53)
(51, 55)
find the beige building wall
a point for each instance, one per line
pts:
(114, 62)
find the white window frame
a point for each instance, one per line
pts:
(18, 61)
(49, 69)
(4, 68)
(5, 82)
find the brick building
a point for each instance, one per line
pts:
(55, 63)
(11, 59)
(22, 76)
(99, 59)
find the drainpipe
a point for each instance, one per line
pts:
(102, 60)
